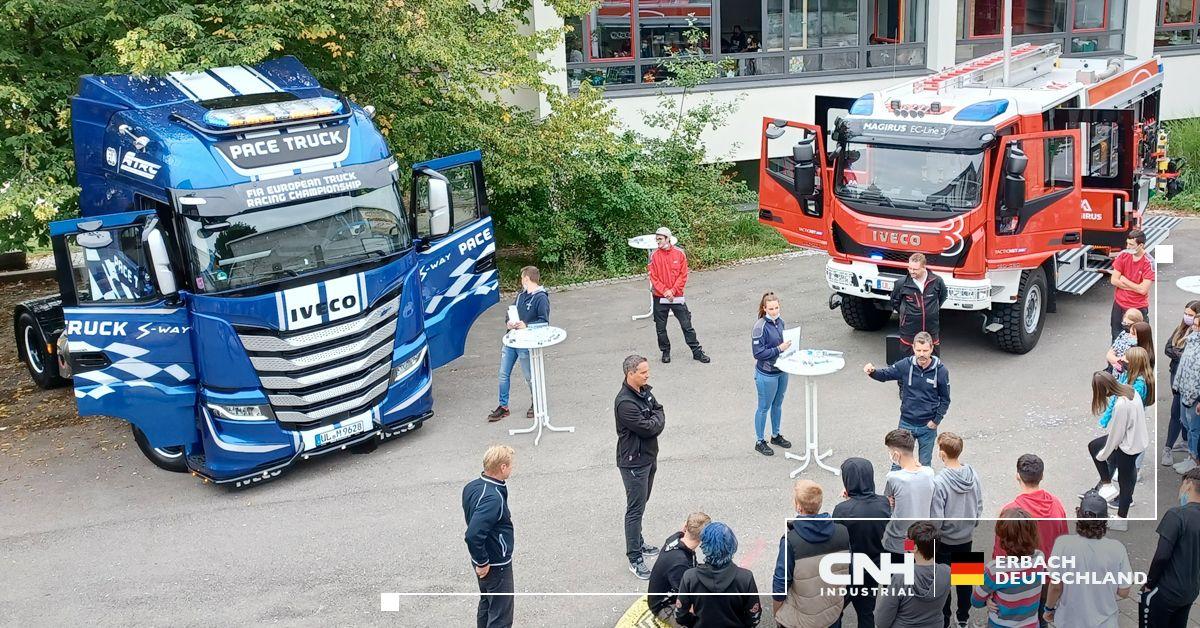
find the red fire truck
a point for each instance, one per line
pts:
(1016, 191)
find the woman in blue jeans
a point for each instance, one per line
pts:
(766, 342)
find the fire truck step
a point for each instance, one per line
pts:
(1068, 257)
(1080, 282)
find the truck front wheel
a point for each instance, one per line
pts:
(43, 367)
(862, 314)
(1023, 320)
(169, 458)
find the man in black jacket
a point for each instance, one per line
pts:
(866, 537)
(640, 419)
(1172, 581)
(718, 574)
(918, 299)
(677, 556)
(489, 537)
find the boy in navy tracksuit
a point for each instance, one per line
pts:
(924, 393)
(489, 537)
(533, 308)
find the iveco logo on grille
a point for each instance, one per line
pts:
(304, 312)
(325, 302)
(895, 237)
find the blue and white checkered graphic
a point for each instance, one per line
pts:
(466, 284)
(129, 371)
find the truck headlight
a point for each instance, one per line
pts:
(242, 413)
(406, 368)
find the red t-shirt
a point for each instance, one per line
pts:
(1136, 271)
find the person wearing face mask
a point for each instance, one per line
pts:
(1172, 581)
(1187, 382)
(767, 343)
(909, 487)
(918, 299)
(1175, 344)
(1123, 341)
(1132, 275)
(668, 276)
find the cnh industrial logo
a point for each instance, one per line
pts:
(867, 573)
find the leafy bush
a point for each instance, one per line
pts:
(1185, 143)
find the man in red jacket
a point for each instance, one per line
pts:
(1045, 507)
(668, 275)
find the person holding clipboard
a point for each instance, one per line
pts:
(768, 343)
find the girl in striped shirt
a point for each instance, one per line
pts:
(1012, 594)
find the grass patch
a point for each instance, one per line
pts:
(1185, 143)
(747, 239)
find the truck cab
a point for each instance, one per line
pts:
(1015, 190)
(246, 285)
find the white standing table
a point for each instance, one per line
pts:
(536, 339)
(811, 364)
(647, 244)
(1191, 283)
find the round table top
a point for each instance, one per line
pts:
(1191, 283)
(811, 363)
(538, 337)
(647, 243)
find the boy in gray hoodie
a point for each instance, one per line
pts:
(919, 605)
(957, 494)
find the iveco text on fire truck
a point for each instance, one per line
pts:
(245, 286)
(1015, 194)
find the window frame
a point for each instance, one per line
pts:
(1163, 28)
(70, 244)
(1064, 37)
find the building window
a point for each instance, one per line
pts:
(625, 42)
(1081, 27)
(1177, 24)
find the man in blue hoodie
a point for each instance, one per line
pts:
(489, 537)
(866, 536)
(924, 393)
(797, 588)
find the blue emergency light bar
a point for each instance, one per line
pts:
(982, 111)
(864, 106)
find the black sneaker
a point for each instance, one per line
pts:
(499, 413)
(529, 415)
(701, 358)
(649, 550)
(666, 357)
(640, 569)
(763, 448)
(779, 441)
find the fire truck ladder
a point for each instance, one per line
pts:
(1079, 269)
(1026, 62)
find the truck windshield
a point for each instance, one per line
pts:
(265, 245)
(909, 178)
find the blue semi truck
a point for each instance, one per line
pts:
(245, 285)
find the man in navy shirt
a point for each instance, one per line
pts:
(533, 308)
(924, 392)
(489, 537)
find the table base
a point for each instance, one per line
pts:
(541, 415)
(811, 448)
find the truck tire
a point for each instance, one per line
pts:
(169, 458)
(1023, 320)
(31, 345)
(862, 314)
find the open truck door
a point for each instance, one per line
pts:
(792, 179)
(126, 330)
(1038, 187)
(1109, 150)
(457, 247)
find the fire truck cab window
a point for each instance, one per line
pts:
(1059, 164)
(910, 178)
(110, 266)
(1102, 153)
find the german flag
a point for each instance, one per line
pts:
(966, 568)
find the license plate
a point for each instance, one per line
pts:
(885, 284)
(337, 432)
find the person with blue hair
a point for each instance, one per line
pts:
(718, 574)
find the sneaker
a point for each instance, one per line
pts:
(779, 441)
(499, 413)
(666, 357)
(1168, 457)
(701, 358)
(1180, 446)
(1112, 504)
(1108, 491)
(763, 448)
(1118, 524)
(649, 551)
(1185, 466)
(529, 415)
(640, 569)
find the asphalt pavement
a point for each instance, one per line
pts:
(90, 532)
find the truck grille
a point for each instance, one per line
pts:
(328, 373)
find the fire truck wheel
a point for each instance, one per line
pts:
(862, 314)
(1023, 320)
(42, 365)
(169, 458)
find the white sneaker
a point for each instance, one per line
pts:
(1185, 466)
(1168, 457)
(1118, 524)
(1108, 491)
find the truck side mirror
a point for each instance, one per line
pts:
(804, 175)
(439, 206)
(160, 260)
(1014, 179)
